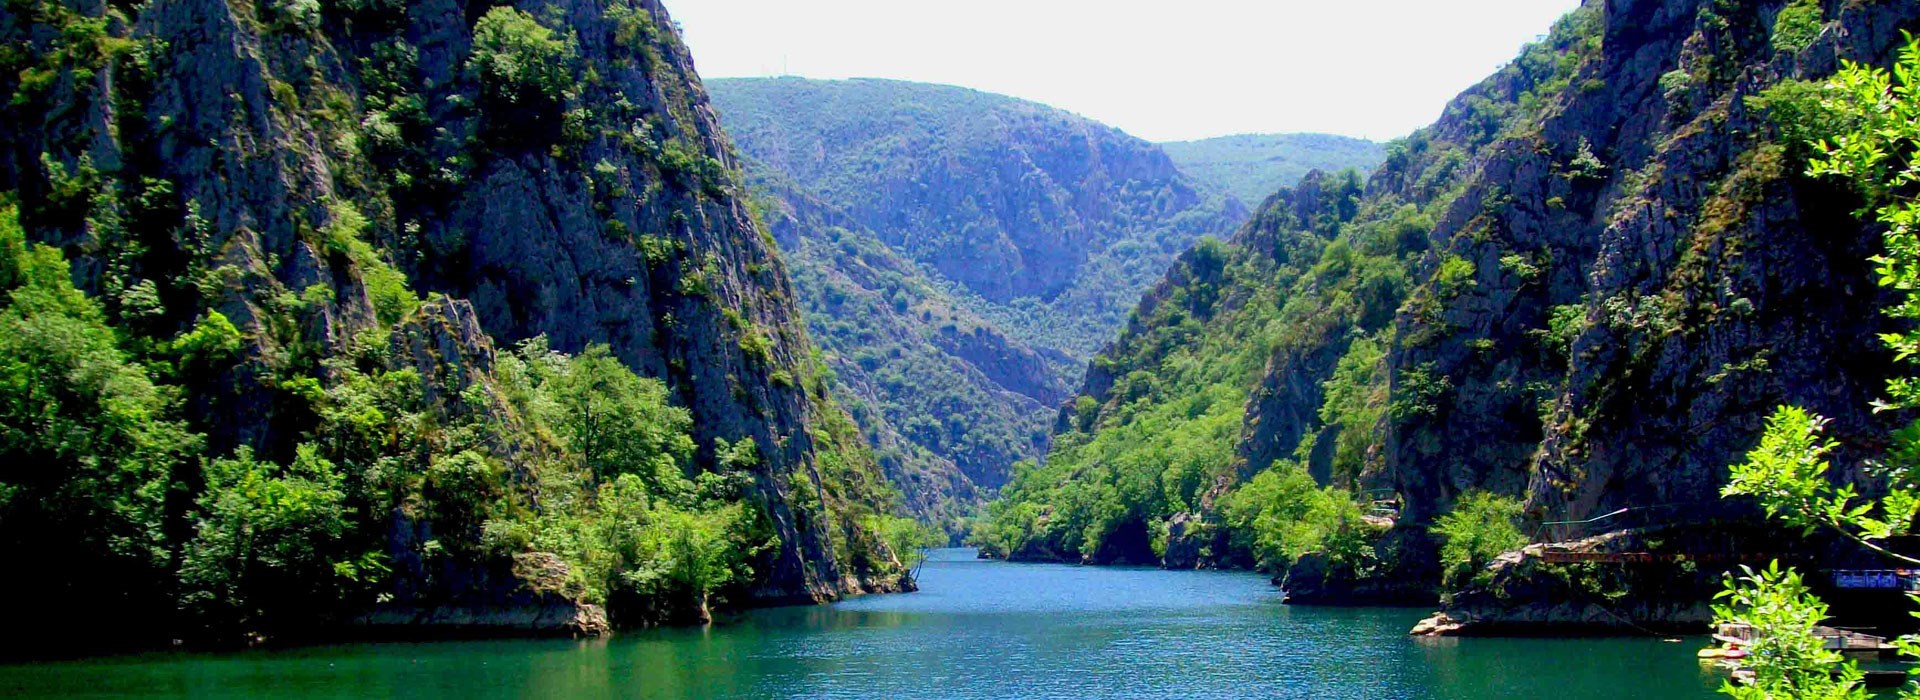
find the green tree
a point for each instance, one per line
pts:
(524, 69)
(1281, 515)
(621, 423)
(688, 556)
(1798, 25)
(907, 538)
(1787, 659)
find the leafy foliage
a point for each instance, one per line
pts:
(235, 416)
(1797, 26)
(1788, 661)
(1282, 515)
(525, 70)
(90, 443)
(1481, 526)
(269, 544)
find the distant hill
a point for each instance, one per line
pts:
(960, 255)
(1254, 166)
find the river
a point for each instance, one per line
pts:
(977, 629)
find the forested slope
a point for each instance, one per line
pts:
(1252, 167)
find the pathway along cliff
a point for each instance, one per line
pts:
(976, 629)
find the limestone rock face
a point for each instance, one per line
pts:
(528, 596)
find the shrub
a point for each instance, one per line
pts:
(1797, 26)
(1481, 526)
(525, 71)
(267, 543)
(88, 440)
(1455, 275)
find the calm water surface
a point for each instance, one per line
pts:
(976, 630)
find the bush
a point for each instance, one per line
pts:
(1480, 527)
(1797, 26)
(1800, 115)
(88, 442)
(525, 71)
(1455, 275)
(267, 543)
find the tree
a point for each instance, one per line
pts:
(621, 423)
(268, 550)
(1787, 659)
(525, 71)
(1281, 515)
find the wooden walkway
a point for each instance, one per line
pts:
(1553, 556)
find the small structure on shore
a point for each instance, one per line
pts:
(1844, 641)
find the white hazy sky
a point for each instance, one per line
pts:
(1160, 70)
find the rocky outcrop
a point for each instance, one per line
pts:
(1398, 575)
(527, 596)
(1658, 581)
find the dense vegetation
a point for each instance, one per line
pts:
(1252, 167)
(903, 354)
(1317, 279)
(241, 395)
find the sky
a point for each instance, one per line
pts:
(1158, 69)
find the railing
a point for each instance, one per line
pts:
(1625, 518)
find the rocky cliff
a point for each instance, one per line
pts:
(307, 170)
(1585, 286)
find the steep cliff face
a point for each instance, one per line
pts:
(307, 170)
(1701, 278)
(1585, 286)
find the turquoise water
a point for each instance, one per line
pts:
(977, 629)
